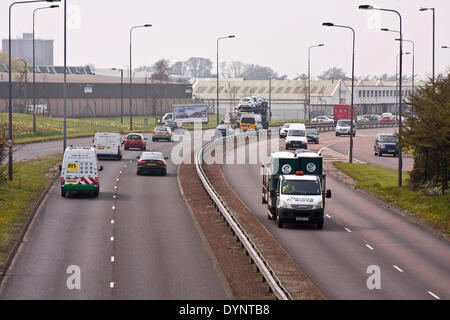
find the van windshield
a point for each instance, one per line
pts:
(301, 187)
(296, 133)
(344, 123)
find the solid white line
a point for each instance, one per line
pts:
(432, 294)
(398, 268)
(348, 230)
(369, 247)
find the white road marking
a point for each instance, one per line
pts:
(112, 238)
(112, 221)
(117, 179)
(114, 207)
(328, 216)
(111, 285)
(121, 172)
(433, 295)
(115, 187)
(400, 270)
(112, 258)
(348, 230)
(369, 247)
(114, 196)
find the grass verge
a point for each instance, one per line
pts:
(52, 128)
(18, 197)
(435, 210)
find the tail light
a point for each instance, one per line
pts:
(118, 149)
(168, 133)
(160, 162)
(153, 132)
(63, 181)
(142, 162)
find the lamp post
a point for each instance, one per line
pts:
(217, 103)
(400, 156)
(121, 93)
(34, 63)
(329, 24)
(131, 74)
(413, 54)
(397, 81)
(434, 33)
(309, 78)
(10, 135)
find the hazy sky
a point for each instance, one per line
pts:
(274, 33)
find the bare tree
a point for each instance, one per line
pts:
(179, 68)
(333, 73)
(199, 67)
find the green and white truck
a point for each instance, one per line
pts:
(294, 188)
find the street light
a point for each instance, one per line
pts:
(413, 54)
(425, 9)
(410, 41)
(400, 160)
(397, 81)
(10, 135)
(309, 79)
(34, 63)
(227, 37)
(121, 93)
(329, 24)
(131, 74)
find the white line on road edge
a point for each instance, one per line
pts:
(369, 247)
(348, 230)
(433, 295)
(400, 270)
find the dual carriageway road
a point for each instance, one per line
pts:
(143, 244)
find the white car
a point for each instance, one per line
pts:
(322, 119)
(296, 137)
(343, 127)
(284, 130)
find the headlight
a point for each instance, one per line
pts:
(285, 205)
(318, 205)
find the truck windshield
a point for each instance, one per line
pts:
(296, 133)
(248, 120)
(301, 187)
(388, 139)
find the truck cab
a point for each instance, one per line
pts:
(294, 188)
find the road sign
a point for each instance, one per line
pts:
(9, 143)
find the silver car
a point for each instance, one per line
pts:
(162, 133)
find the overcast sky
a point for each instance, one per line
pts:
(274, 33)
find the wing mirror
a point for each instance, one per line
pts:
(328, 194)
(166, 158)
(138, 157)
(101, 168)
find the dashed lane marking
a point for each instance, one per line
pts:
(398, 269)
(433, 295)
(368, 246)
(348, 230)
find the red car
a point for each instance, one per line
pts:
(136, 141)
(386, 117)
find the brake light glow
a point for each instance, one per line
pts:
(299, 173)
(142, 162)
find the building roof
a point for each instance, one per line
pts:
(281, 89)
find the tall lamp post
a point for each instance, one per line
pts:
(10, 135)
(397, 81)
(400, 156)
(217, 102)
(131, 72)
(329, 24)
(413, 54)
(121, 93)
(34, 63)
(434, 33)
(309, 78)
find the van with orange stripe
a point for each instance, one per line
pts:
(80, 171)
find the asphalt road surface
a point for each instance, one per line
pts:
(358, 233)
(141, 245)
(363, 148)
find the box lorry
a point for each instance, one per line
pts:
(294, 188)
(187, 113)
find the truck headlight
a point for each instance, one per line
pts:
(318, 205)
(285, 205)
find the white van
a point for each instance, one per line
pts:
(108, 145)
(80, 171)
(296, 136)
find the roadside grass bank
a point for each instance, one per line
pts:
(433, 209)
(18, 197)
(52, 128)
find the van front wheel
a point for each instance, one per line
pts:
(63, 192)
